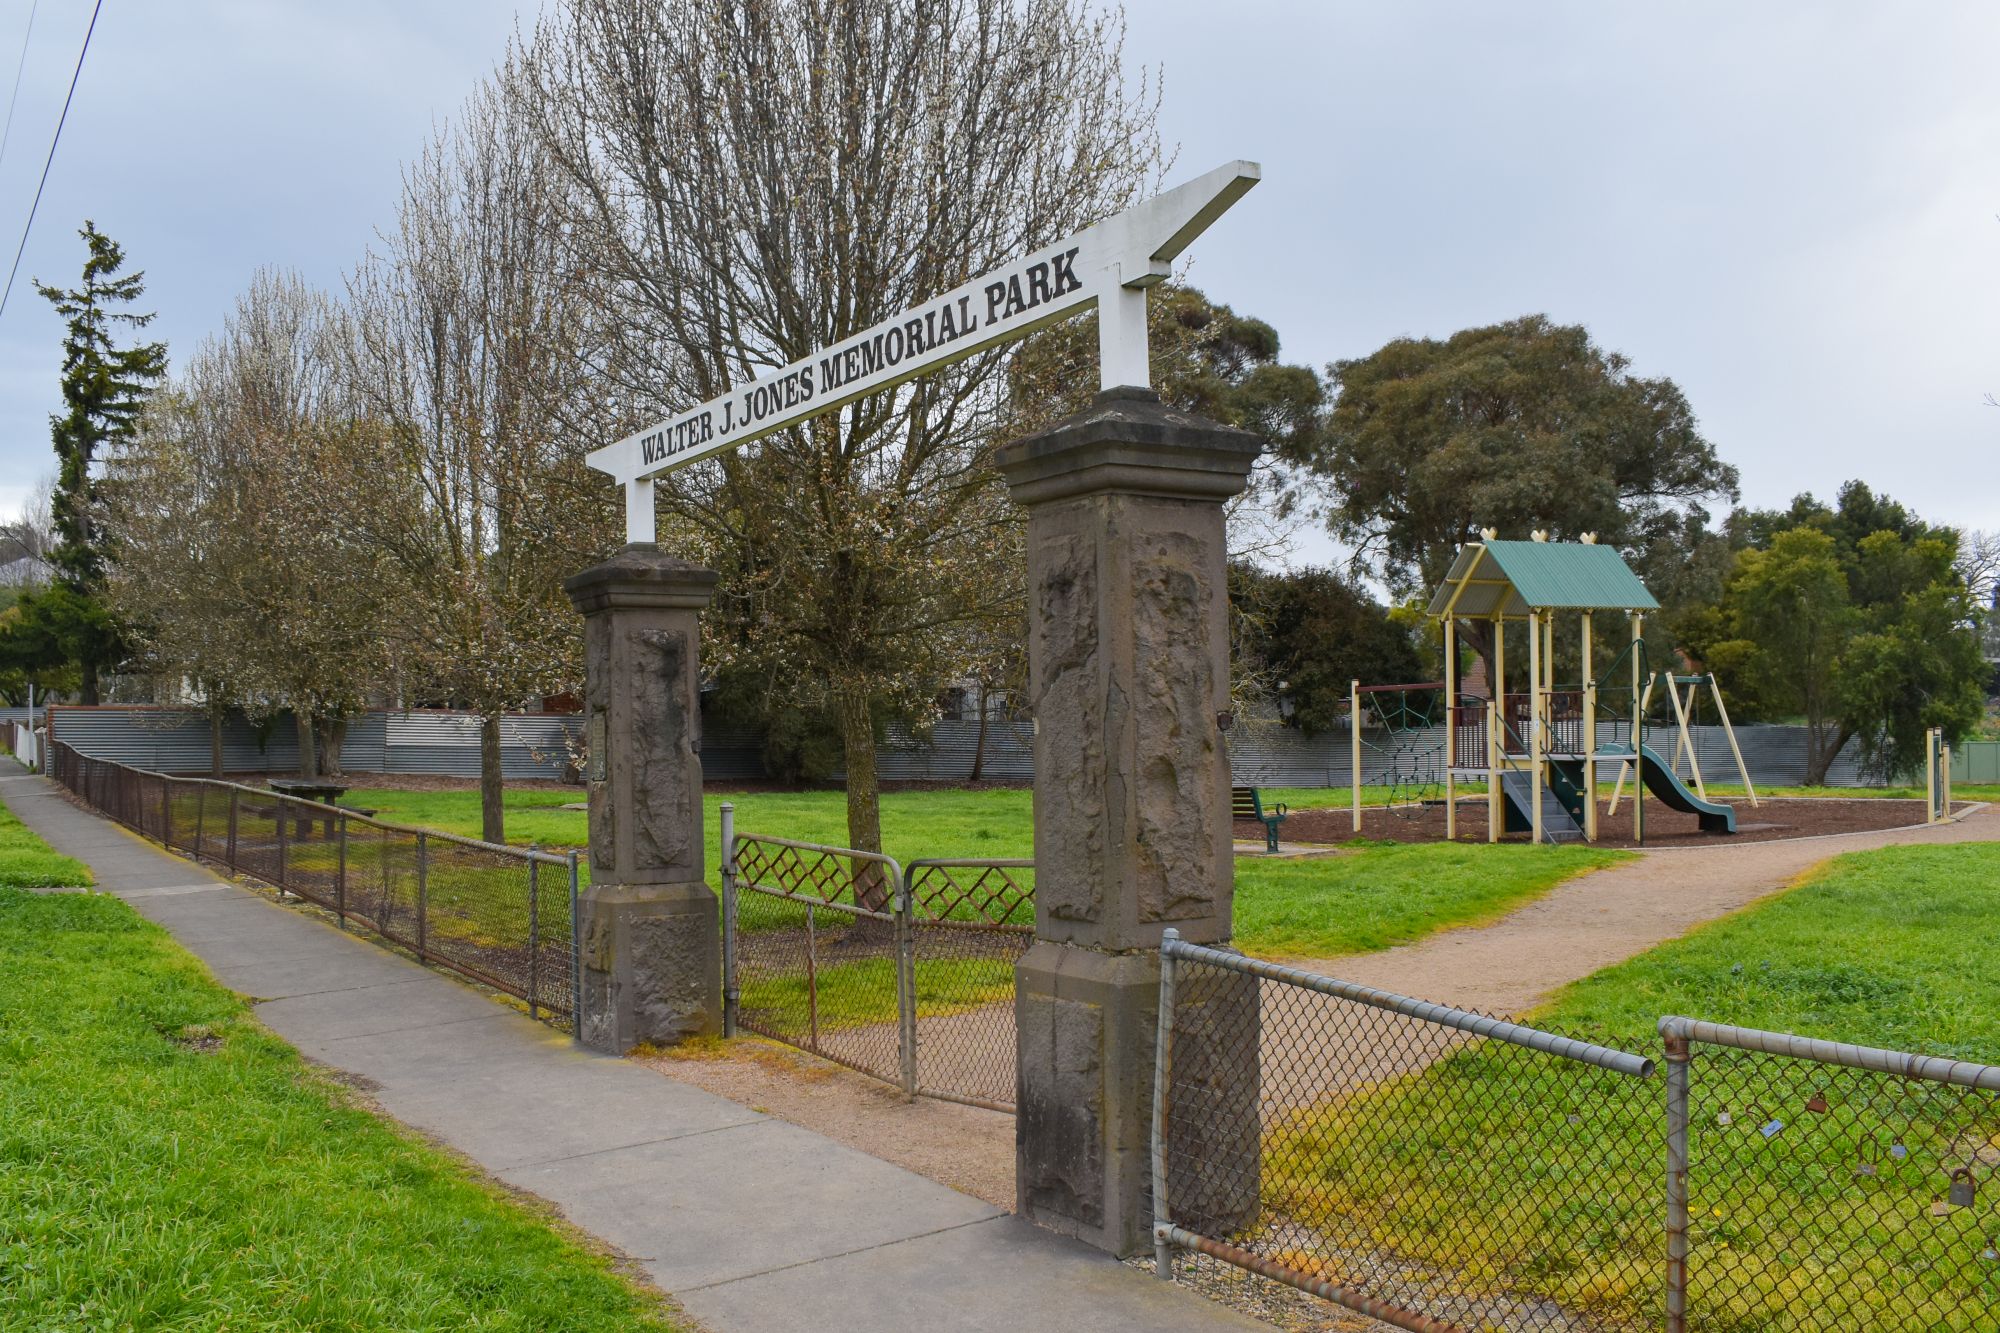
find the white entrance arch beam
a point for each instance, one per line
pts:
(1110, 263)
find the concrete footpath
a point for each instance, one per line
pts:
(752, 1223)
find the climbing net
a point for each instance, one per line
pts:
(1409, 759)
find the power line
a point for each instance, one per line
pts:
(19, 65)
(50, 160)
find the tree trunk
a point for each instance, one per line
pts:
(215, 712)
(332, 739)
(864, 793)
(1819, 754)
(979, 745)
(492, 817)
(87, 686)
(308, 759)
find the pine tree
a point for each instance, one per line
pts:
(103, 388)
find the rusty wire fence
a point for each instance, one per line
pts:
(1426, 1166)
(504, 916)
(1438, 1169)
(1815, 1185)
(906, 975)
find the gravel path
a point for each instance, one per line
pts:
(1599, 919)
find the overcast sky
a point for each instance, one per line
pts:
(1789, 209)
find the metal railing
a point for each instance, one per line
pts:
(1438, 1169)
(503, 916)
(903, 974)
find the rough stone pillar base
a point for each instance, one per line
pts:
(651, 965)
(1128, 649)
(650, 950)
(1083, 1127)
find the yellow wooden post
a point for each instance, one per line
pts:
(1930, 775)
(1687, 738)
(1354, 731)
(1450, 727)
(1742, 769)
(1589, 739)
(1535, 696)
(1638, 731)
(1496, 732)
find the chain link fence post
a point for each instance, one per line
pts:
(812, 981)
(200, 818)
(234, 794)
(423, 888)
(575, 949)
(283, 842)
(534, 931)
(1677, 1174)
(1163, 1246)
(732, 994)
(340, 874)
(906, 986)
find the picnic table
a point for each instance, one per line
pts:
(310, 789)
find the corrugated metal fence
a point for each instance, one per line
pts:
(535, 745)
(1976, 761)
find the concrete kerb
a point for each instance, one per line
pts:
(748, 1219)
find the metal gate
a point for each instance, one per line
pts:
(904, 975)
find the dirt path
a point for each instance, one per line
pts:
(1591, 922)
(1507, 967)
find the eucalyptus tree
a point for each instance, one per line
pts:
(756, 182)
(471, 343)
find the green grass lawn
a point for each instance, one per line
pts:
(1372, 896)
(1378, 895)
(26, 862)
(1551, 1182)
(167, 1163)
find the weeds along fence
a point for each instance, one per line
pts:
(1438, 1169)
(902, 973)
(504, 916)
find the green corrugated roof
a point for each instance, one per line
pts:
(1518, 577)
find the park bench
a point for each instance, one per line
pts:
(1248, 803)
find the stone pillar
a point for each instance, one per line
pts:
(1129, 672)
(650, 946)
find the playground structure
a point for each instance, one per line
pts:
(1539, 750)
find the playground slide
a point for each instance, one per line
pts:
(1666, 784)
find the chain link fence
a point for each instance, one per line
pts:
(1438, 1169)
(1429, 1167)
(1814, 1185)
(906, 975)
(504, 916)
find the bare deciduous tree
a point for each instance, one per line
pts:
(471, 340)
(757, 181)
(232, 512)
